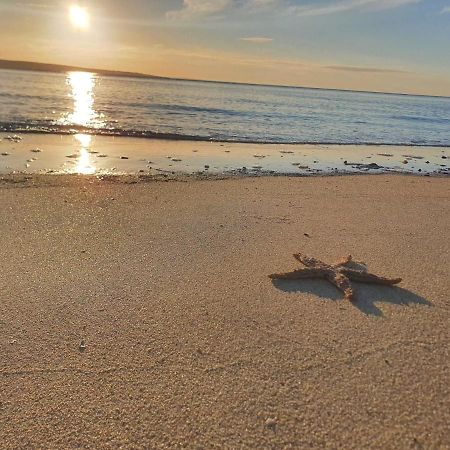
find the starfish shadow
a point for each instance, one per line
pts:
(366, 295)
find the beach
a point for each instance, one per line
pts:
(224, 225)
(138, 313)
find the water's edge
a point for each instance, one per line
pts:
(71, 131)
(110, 155)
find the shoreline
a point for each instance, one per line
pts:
(118, 133)
(36, 180)
(107, 155)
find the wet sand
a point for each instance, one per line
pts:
(140, 314)
(86, 154)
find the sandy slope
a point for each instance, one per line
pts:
(190, 345)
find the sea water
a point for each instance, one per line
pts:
(81, 102)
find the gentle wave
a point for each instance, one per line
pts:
(178, 109)
(433, 120)
(15, 96)
(147, 134)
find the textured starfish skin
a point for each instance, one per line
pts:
(338, 274)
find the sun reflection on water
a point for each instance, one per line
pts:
(82, 86)
(84, 166)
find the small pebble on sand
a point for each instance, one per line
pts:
(14, 138)
(412, 157)
(271, 423)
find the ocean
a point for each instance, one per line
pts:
(80, 102)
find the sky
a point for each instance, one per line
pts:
(375, 45)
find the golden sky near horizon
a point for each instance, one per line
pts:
(344, 44)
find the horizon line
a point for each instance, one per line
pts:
(62, 68)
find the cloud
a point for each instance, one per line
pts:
(237, 59)
(199, 8)
(25, 6)
(339, 6)
(256, 40)
(365, 69)
(192, 9)
(445, 10)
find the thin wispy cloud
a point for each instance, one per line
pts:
(192, 9)
(257, 40)
(365, 69)
(292, 63)
(25, 6)
(200, 8)
(445, 10)
(340, 6)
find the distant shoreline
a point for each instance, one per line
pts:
(57, 68)
(30, 66)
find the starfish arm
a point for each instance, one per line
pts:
(298, 274)
(308, 261)
(343, 261)
(342, 283)
(366, 277)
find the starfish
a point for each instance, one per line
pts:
(338, 274)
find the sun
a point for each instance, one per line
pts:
(79, 16)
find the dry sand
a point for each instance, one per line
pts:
(188, 342)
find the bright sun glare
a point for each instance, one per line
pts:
(79, 16)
